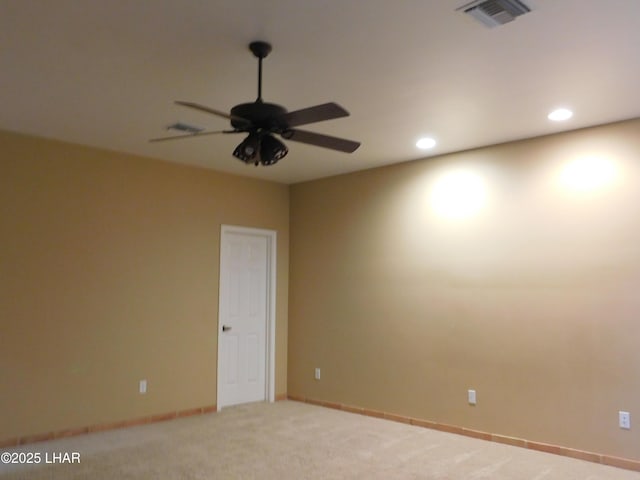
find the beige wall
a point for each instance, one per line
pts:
(109, 274)
(533, 299)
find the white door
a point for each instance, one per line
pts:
(245, 321)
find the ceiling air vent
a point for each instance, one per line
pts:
(183, 127)
(495, 12)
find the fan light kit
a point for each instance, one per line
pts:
(262, 120)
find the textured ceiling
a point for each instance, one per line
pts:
(106, 73)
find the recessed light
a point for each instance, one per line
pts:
(425, 143)
(560, 115)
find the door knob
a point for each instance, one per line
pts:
(226, 328)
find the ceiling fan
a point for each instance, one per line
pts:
(261, 120)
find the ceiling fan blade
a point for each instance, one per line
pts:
(191, 135)
(326, 111)
(205, 109)
(320, 140)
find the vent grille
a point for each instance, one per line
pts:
(183, 127)
(495, 12)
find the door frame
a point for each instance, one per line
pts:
(270, 337)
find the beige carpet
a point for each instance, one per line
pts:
(291, 440)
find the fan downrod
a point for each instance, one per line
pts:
(260, 49)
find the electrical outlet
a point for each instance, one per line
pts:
(471, 397)
(624, 420)
(143, 386)
(317, 374)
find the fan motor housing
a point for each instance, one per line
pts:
(260, 114)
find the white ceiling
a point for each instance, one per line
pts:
(105, 73)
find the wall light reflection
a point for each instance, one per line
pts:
(458, 194)
(588, 173)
